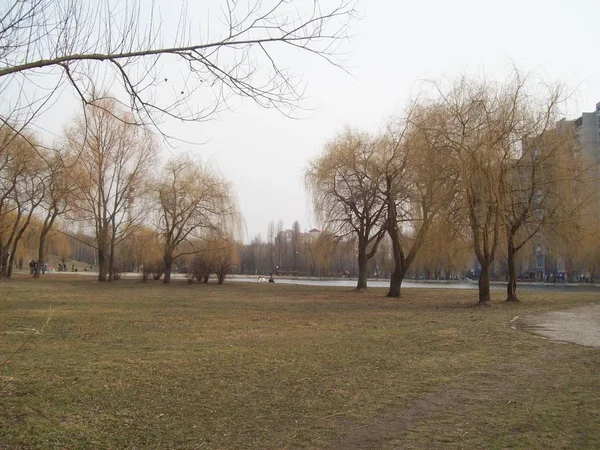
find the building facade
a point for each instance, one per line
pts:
(546, 262)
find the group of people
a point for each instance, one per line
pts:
(33, 266)
(64, 268)
(46, 268)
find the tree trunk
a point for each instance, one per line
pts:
(111, 261)
(9, 266)
(3, 262)
(41, 255)
(13, 253)
(168, 267)
(2, 266)
(399, 267)
(484, 284)
(396, 282)
(362, 268)
(15, 243)
(101, 265)
(511, 289)
(11, 259)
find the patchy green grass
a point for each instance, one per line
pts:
(133, 365)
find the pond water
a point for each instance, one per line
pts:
(350, 283)
(371, 283)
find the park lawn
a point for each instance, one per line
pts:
(143, 365)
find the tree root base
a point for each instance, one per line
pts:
(486, 304)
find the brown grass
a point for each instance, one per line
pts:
(143, 365)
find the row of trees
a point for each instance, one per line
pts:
(324, 255)
(485, 162)
(291, 252)
(31, 181)
(157, 70)
(102, 178)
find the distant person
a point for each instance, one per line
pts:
(31, 267)
(271, 280)
(72, 267)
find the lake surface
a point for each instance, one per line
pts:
(352, 283)
(496, 286)
(425, 284)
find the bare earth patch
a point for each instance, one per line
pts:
(578, 325)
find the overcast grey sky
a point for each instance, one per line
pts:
(396, 46)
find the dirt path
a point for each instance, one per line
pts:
(578, 325)
(393, 430)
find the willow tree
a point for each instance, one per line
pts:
(543, 182)
(55, 203)
(110, 164)
(22, 188)
(193, 202)
(217, 253)
(344, 183)
(479, 130)
(500, 140)
(445, 253)
(417, 187)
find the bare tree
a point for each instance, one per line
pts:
(10, 168)
(110, 165)
(22, 189)
(542, 183)
(279, 245)
(480, 130)
(144, 248)
(193, 202)
(417, 187)
(55, 203)
(514, 165)
(216, 253)
(344, 183)
(295, 251)
(164, 69)
(271, 243)
(445, 253)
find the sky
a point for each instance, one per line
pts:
(396, 47)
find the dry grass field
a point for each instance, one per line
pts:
(129, 365)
